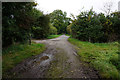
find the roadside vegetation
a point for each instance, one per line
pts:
(93, 27)
(23, 22)
(104, 57)
(97, 38)
(15, 54)
(53, 36)
(96, 35)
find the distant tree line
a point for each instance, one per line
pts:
(93, 27)
(22, 21)
(60, 21)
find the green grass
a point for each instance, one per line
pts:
(67, 35)
(14, 54)
(104, 57)
(53, 36)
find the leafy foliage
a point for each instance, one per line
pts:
(93, 27)
(53, 30)
(59, 20)
(17, 21)
(69, 29)
(41, 27)
(21, 20)
(87, 27)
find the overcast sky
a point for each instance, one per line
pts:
(74, 6)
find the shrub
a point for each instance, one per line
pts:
(53, 30)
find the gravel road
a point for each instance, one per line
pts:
(59, 60)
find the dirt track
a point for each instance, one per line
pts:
(60, 60)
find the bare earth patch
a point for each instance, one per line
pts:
(60, 60)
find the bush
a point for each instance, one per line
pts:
(53, 30)
(59, 19)
(93, 27)
(69, 29)
(17, 20)
(41, 28)
(87, 27)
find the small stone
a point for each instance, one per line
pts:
(71, 71)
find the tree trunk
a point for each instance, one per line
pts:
(89, 39)
(29, 39)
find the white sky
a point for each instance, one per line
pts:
(74, 6)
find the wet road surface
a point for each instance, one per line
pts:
(59, 60)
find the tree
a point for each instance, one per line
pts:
(87, 27)
(53, 30)
(115, 19)
(17, 21)
(41, 27)
(93, 27)
(69, 29)
(107, 8)
(59, 20)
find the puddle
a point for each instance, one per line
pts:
(40, 41)
(44, 58)
(54, 39)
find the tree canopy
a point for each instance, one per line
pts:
(93, 27)
(59, 19)
(21, 20)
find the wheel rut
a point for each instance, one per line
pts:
(60, 60)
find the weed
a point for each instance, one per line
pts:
(14, 54)
(102, 56)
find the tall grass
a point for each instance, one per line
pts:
(14, 54)
(104, 57)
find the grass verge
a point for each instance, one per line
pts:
(53, 36)
(67, 35)
(104, 57)
(17, 53)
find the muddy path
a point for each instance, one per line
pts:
(60, 60)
